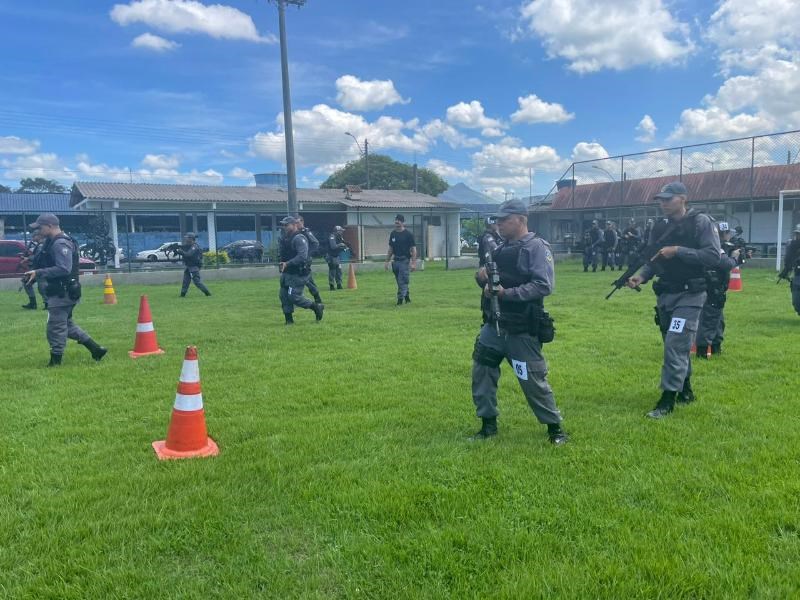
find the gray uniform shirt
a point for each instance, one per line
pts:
(707, 254)
(61, 251)
(536, 261)
(300, 245)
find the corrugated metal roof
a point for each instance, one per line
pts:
(714, 186)
(35, 203)
(153, 192)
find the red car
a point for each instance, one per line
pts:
(11, 253)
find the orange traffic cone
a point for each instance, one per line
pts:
(146, 342)
(736, 280)
(187, 436)
(351, 278)
(109, 297)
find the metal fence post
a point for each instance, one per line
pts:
(680, 167)
(128, 241)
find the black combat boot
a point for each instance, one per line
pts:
(408, 299)
(594, 269)
(585, 269)
(289, 318)
(556, 435)
(30, 305)
(338, 286)
(664, 406)
(488, 429)
(318, 309)
(716, 348)
(207, 293)
(98, 352)
(332, 287)
(399, 302)
(55, 360)
(702, 352)
(686, 395)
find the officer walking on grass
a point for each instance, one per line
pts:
(336, 245)
(294, 268)
(791, 268)
(403, 256)
(192, 256)
(58, 269)
(526, 273)
(688, 246)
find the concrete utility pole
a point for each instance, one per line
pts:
(288, 132)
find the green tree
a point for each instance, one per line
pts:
(386, 174)
(4, 189)
(39, 185)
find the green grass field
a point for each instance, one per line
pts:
(345, 469)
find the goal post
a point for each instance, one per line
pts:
(779, 242)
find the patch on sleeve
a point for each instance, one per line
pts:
(548, 256)
(64, 251)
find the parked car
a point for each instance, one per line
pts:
(249, 250)
(165, 252)
(12, 251)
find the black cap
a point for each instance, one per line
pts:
(338, 228)
(511, 207)
(45, 219)
(676, 188)
(400, 218)
(288, 220)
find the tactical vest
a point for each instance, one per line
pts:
(195, 258)
(60, 286)
(676, 271)
(313, 243)
(295, 269)
(515, 317)
(333, 249)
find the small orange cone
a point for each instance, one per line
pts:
(736, 280)
(146, 341)
(351, 278)
(109, 296)
(187, 436)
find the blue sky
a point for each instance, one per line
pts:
(484, 92)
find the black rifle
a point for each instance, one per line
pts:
(494, 288)
(646, 256)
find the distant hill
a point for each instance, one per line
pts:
(462, 194)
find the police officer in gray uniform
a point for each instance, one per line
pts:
(711, 328)
(294, 269)
(525, 266)
(688, 245)
(192, 256)
(336, 245)
(403, 256)
(59, 270)
(791, 268)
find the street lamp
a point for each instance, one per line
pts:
(604, 171)
(288, 131)
(364, 152)
(711, 162)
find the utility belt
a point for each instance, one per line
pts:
(298, 270)
(692, 286)
(533, 320)
(398, 258)
(69, 287)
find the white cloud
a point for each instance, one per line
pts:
(188, 16)
(437, 129)
(588, 151)
(240, 173)
(45, 165)
(508, 165)
(156, 43)
(533, 109)
(608, 35)
(161, 161)
(355, 94)
(758, 48)
(12, 144)
(447, 171)
(471, 116)
(320, 140)
(647, 129)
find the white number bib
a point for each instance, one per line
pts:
(520, 369)
(676, 326)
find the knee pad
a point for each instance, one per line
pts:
(483, 355)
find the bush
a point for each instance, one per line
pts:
(210, 258)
